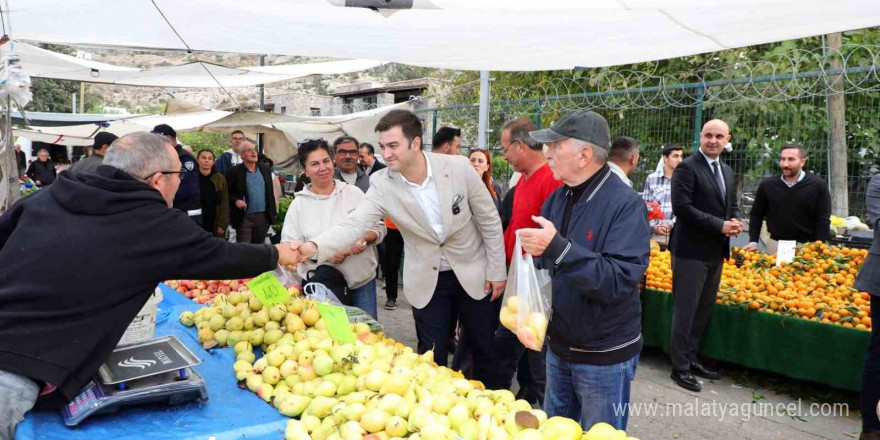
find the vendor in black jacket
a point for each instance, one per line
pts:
(58, 326)
(42, 170)
(596, 260)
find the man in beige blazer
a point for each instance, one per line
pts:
(453, 242)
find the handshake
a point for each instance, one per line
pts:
(732, 228)
(294, 253)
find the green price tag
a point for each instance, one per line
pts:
(337, 322)
(268, 290)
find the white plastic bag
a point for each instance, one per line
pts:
(526, 310)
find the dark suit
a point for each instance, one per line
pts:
(698, 250)
(868, 280)
(376, 167)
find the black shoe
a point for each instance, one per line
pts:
(697, 369)
(524, 393)
(872, 435)
(390, 304)
(686, 380)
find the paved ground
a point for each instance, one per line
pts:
(723, 410)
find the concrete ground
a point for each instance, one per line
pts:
(744, 408)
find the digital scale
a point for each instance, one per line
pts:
(155, 371)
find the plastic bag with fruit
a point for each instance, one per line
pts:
(526, 310)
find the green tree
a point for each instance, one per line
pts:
(56, 95)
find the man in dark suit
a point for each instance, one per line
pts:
(868, 280)
(706, 211)
(367, 159)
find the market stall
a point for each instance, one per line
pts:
(806, 323)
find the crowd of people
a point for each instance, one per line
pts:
(355, 217)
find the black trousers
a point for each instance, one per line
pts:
(528, 365)
(869, 394)
(694, 288)
(391, 263)
(432, 326)
(253, 229)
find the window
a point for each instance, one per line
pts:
(314, 111)
(283, 110)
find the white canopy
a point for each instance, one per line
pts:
(280, 132)
(41, 63)
(516, 35)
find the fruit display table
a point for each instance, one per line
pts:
(794, 347)
(229, 413)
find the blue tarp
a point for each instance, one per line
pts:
(229, 413)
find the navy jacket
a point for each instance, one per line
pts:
(868, 279)
(188, 195)
(596, 270)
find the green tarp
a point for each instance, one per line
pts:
(793, 347)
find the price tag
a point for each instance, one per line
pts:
(337, 322)
(785, 251)
(268, 290)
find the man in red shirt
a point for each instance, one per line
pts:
(526, 156)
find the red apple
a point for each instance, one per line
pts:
(223, 289)
(212, 288)
(201, 285)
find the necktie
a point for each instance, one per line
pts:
(719, 180)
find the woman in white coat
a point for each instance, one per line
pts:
(324, 203)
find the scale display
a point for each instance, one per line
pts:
(156, 371)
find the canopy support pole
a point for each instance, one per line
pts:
(483, 125)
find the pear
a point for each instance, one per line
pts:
(255, 304)
(253, 382)
(287, 368)
(351, 430)
(396, 426)
(458, 414)
(353, 411)
(374, 420)
(256, 336)
(222, 337)
(246, 356)
(187, 318)
(261, 318)
(293, 405)
(272, 336)
(242, 366)
(295, 431)
(326, 389)
(468, 430)
(275, 358)
(271, 375)
(272, 325)
(265, 391)
(205, 335)
(321, 406)
(234, 323)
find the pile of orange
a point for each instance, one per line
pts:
(816, 286)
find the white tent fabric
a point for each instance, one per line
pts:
(280, 132)
(41, 63)
(516, 35)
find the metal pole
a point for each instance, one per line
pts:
(433, 127)
(262, 87)
(538, 114)
(483, 122)
(698, 118)
(82, 97)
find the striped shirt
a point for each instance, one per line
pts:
(658, 188)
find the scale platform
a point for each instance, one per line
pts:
(156, 371)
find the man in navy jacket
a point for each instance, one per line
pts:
(594, 239)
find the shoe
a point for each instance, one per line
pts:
(686, 380)
(523, 393)
(697, 369)
(872, 435)
(390, 304)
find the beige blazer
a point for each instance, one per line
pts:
(474, 244)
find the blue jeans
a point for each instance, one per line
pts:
(589, 393)
(364, 298)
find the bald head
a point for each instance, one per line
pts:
(713, 138)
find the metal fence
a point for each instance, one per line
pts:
(764, 113)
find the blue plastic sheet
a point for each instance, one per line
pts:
(229, 413)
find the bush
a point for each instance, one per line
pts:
(501, 170)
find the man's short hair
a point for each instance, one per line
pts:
(795, 146)
(140, 154)
(235, 132)
(623, 148)
(42, 150)
(444, 135)
(409, 124)
(669, 148)
(370, 150)
(345, 140)
(600, 154)
(519, 131)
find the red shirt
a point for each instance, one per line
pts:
(531, 192)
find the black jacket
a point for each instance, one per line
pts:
(699, 211)
(187, 197)
(20, 161)
(113, 239)
(868, 279)
(801, 213)
(596, 266)
(236, 181)
(376, 167)
(42, 171)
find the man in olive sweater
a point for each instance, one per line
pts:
(796, 204)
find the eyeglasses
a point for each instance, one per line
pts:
(248, 150)
(348, 152)
(179, 173)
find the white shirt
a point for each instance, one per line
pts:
(350, 178)
(235, 158)
(712, 169)
(800, 177)
(429, 201)
(616, 170)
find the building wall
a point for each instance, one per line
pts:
(301, 104)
